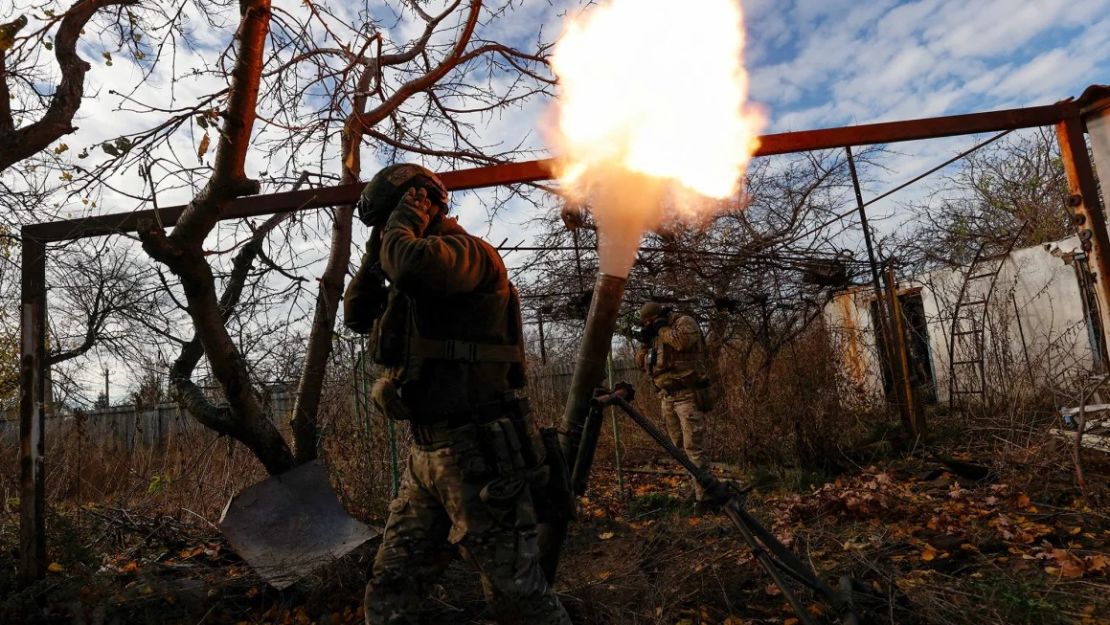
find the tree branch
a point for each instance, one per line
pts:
(182, 253)
(57, 121)
(369, 119)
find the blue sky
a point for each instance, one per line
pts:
(813, 64)
(823, 63)
(818, 63)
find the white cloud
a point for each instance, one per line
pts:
(813, 63)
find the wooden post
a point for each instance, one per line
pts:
(884, 337)
(911, 413)
(1086, 209)
(32, 411)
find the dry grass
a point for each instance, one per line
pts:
(636, 557)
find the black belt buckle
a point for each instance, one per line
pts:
(460, 350)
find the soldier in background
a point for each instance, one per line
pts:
(672, 353)
(447, 328)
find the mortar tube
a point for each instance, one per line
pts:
(593, 354)
(589, 371)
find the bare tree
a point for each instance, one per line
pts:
(40, 119)
(1011, 193)
(369, 100)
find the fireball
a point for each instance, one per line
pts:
(653, 98)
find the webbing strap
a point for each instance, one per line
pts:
(464, 351)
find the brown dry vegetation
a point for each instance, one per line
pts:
(133, 539)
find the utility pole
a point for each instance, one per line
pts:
(106, 402)
(882, 329)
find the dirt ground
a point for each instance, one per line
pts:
(936, 541)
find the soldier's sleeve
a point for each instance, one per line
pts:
(358, 291)
(436, 265)
(683, 335)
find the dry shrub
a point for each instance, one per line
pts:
(191, 471)
(789, 409)
(785, 408)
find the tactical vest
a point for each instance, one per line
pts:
(672, 369)
(452, 355)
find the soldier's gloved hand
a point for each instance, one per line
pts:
(415, 211)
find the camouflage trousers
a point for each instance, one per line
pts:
(686, 428)
(441, 506)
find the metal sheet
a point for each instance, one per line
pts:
(287, 526)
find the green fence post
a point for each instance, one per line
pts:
(616, 434)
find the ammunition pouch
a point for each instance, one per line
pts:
(387, 397)
(392, 331)
(705, 395)
(508, 454)
(401, 346)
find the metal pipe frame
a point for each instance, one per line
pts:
(35, 238)
(544, 169)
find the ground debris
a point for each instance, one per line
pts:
(932, 547)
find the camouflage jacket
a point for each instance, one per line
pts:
(446, 286)
(675, 358)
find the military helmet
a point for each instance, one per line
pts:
(385, 189)
(650, 311)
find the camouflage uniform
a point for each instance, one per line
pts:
(673, 361)
(451, 305)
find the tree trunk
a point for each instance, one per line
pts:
(181, 251)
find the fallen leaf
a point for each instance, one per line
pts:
(54, 567)
(928, 554)
(1070, 566)
(606, 535)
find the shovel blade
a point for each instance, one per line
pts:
(288, 525)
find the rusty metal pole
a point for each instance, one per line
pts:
(910, 410)
(882, 333)
(589, 372)
(32, 411)
(1095, 112)
(1086, 209)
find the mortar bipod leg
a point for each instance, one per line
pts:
(785, 559)
(770, 565)
(772, 555)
